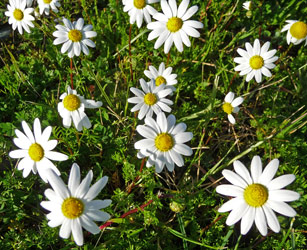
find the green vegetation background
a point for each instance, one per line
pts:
(271, 123)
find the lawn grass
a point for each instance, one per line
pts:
(271, 124)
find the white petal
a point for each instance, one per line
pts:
(256, 168)
(77, 231)
(74, 178)
(231, 119)
(242, 171)
(234, 179)
(57, 184)
(237, 213)
(89, 225)
(229, 97)
(144, 143)
(271, 219)
(183, 137)
(98, 204)
(260, 221)
(236, 102)
(183, 8)
(247, 220)
(283, 195)
(281, 181)
(28, 131)
(84, 186)
(281, 207)
(18, 153)
(230, 205)
(65, 229)
(190, 12)
(230, 190)
(55, 156)
(269, 172)
(96, 188)
(146, 132)
(97, 215)
(183, 149)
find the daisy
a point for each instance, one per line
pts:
(75, 37)
(19, 15)
(164, 142)
(72, 108)
(247, 5)
(45, 5)
(35, 150)
(151, 99)
(231, 106)
(173, 25)
(137, 9)
(256, 61)
(257, 195)
(162, 76)
(74, 207)
(297, 31)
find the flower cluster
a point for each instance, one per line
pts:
(256, 195)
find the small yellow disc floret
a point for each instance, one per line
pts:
(256, 62)
(47, 1)
(164, 142)
(71, 102)
(75, 35)
(139, 4)
(18, 14)
(160, 80)
(150, 99)
(36, 152)
(256, 195)
(174, 24)
(298, 30)
(72, 208)
(227, 108)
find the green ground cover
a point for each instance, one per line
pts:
(182, 213)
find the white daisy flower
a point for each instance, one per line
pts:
(137, 9)
(256, 61)
(257, 195)
(247, 5)
(164, 142)
(75, 37)
(151, 99)
(35, 150)
(297, 32)
(173, 26)
(19, 15)
(163, 76)
(72, 109)
(231, 106)
(45, 5)
(74, 207)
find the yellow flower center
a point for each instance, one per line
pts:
(256, 62)
(160, 80)
(256, 195)
(227, 108)
(174, 24)
(298, 30)
(47, 1)
(18, 14)
(150, 99)
(71, 102)
(75, 35)
(164, 142)
(72, 208)
(139, 4)
(36, 152)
